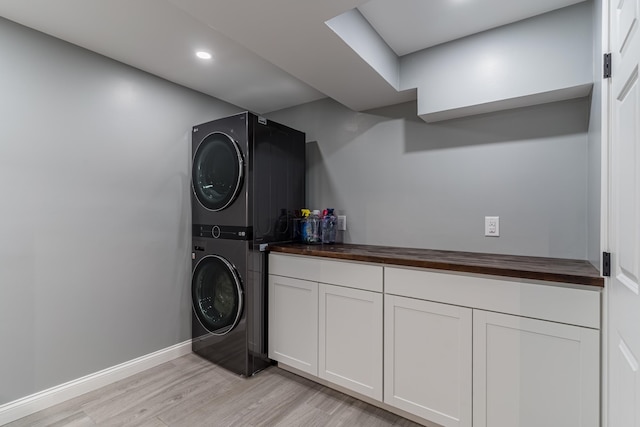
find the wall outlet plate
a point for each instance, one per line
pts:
(492, 226)
(342, 222)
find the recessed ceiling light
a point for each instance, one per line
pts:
(203, 55)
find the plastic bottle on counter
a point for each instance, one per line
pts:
(315, 227)
(305, 230)
(329, 226)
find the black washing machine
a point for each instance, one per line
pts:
(228, 300)
(248, 176)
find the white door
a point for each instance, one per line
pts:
(624, 217)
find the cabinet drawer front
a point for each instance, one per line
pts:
(367, 277)
(523, 298)
(301, 267)
(351, 274)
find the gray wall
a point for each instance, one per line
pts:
(94, 237)
(402, 182)
(541, 59)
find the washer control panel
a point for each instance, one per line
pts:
(229, 232)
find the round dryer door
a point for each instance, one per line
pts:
(216, 292)
(217, 171)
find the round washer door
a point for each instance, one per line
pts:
(216, 294)
(217, 171)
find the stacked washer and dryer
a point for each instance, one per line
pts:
(248, 176)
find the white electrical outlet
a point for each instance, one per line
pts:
(342, 222)
(492, 226)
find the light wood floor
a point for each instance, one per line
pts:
(190, 391)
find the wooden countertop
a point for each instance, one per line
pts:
(524, 267)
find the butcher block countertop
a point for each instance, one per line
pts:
(522, 267)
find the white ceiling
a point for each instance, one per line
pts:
(267, 55)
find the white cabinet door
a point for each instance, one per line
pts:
(350, 339)
(427, 359)
(532, 373)
(293, 323)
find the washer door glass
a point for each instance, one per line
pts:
(217, 171)
(216, 292)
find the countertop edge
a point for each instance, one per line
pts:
(554, 277)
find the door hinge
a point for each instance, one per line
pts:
(606, 264)
(607, 65)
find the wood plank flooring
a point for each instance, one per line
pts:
(190, 391)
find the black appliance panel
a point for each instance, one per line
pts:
(229, 232)
(278, 181)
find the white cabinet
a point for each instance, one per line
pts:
(325, 319)
(427, 365)
(293, 322)
(350, 339)
(459, 349)
(532, 373)
(530, 357)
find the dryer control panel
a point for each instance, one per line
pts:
(228, 232)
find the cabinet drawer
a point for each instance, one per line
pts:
(519, 297)
(299, 267)
(350, 274)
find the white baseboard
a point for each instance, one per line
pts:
(44, 399)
